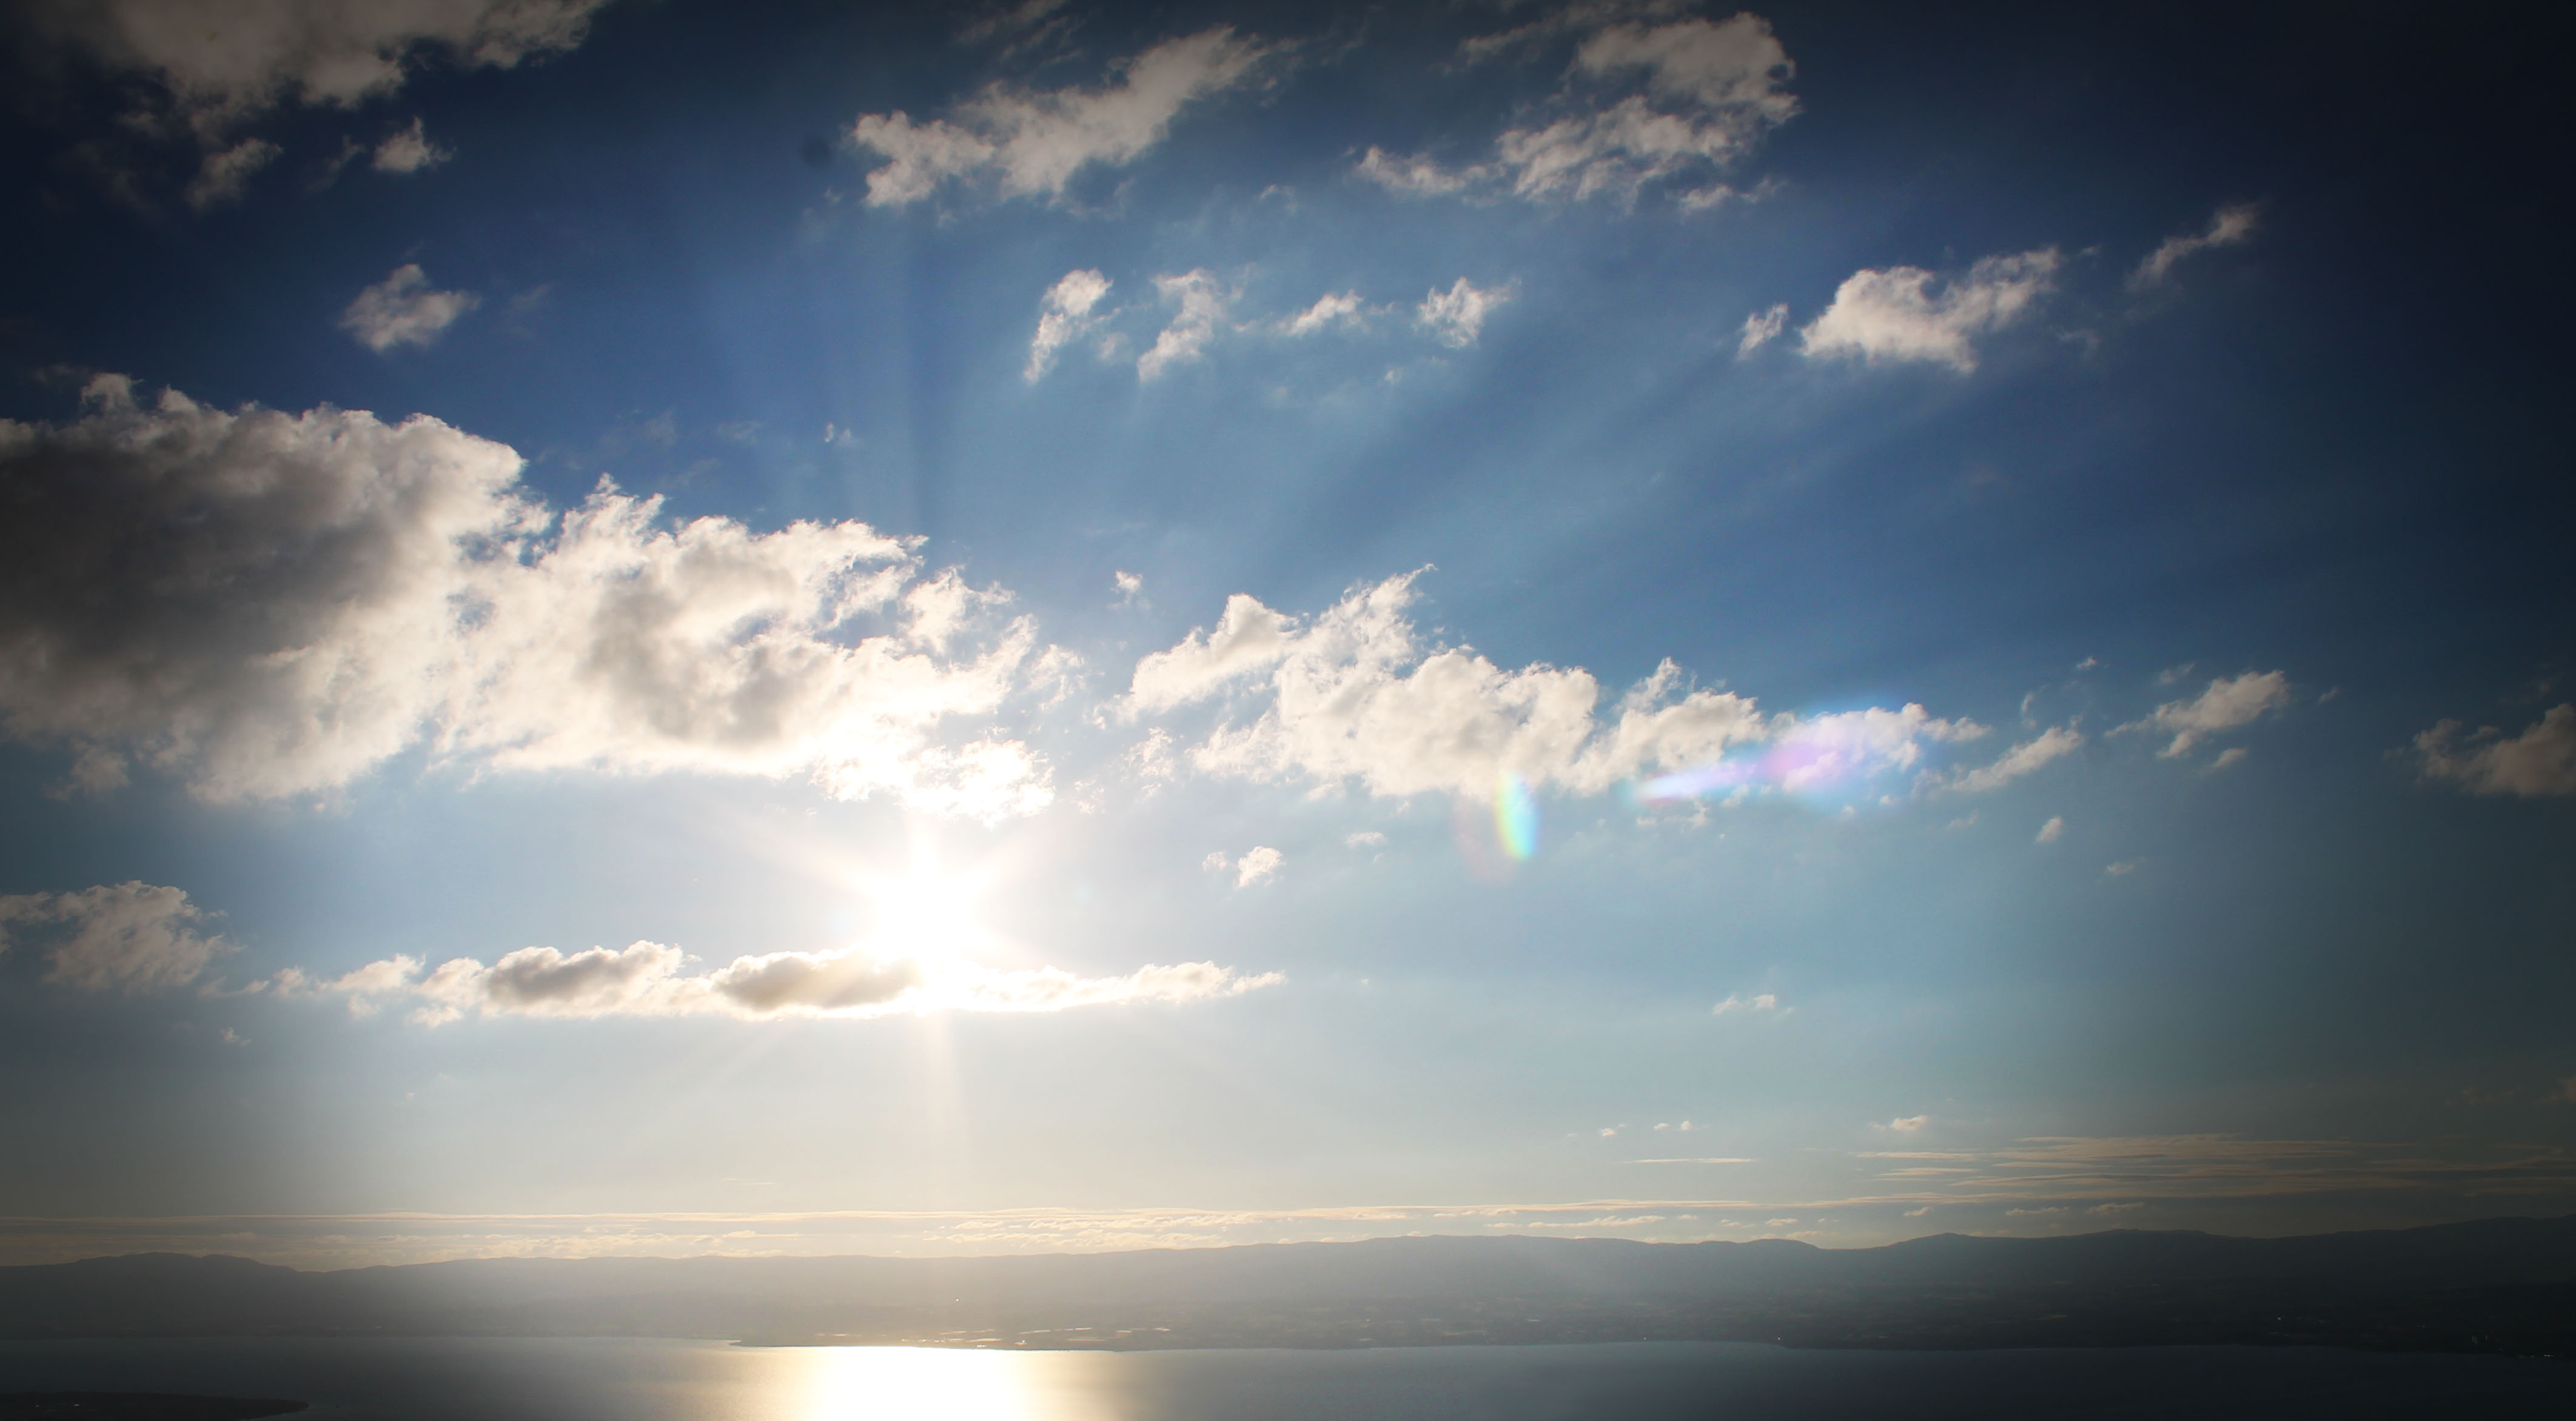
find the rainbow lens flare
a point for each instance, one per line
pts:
(1515, 817)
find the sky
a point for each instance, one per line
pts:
(636, 626)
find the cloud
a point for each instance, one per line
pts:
(2227, 703)
(1365, 839)
(1760, 327)
(1456, 316)
(1906, 1124)
(224, 172)
(267, 604)
(402, 310)
(2230, 226)
(408, 150)
(2051, 831)
(1766, 1002)
(2228, 756)
(125, 936)
(1202, 304)
(2540, 761)
(647, 979)
(226, 60)
(1064, 315)
(1131, 588)
(1893, 314)
(1340, 308)
(1645, 104)
(2023, 759)
(1353, 694)
(1258, 865)
(1033, 142)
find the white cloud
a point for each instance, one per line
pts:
(1760, 327)
(1415, 174)
(1365, 839)
(2228, 756)
(1766, 1002)
(402, 310)
(269, 604)
(1259, 864)
(2051, 831)
(1904, 1125)
(1131, 588)
(1353, 694)
(1455, 317)
(2230, 226)
(2053, 743)
(2540, 761)
(1033, 142)
(2122, 869)
(1893, 314)
(647, 979)
(2227, 703)
(408, 150)
(1340, 308)
(1065, 313)
(224, 172)
(128, 936)
(1202, 307)
(1702, 93)
(230, 59)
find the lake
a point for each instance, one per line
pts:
(634, 1379)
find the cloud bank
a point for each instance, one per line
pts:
(1354, 695)
(649, 979)
(267, 604)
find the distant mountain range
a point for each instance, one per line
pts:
(2497, 1285)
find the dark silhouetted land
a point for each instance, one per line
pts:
(2497, 1285)
(136, 1406)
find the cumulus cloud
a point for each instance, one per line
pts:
(649, 979)
(1065, 314)
(1766, 1002)
(1646, 104)
(1896, 315)
(124, 936)
(2540, 761)
(2051, 744)
(1033, 142)
(2230, 226)
(2051, 831)
(408, 150)
(234, 58)
(1354, 695)
(1259, 864)
(2227, 703)
(1760, 327)
(403, 310)
(270, 604)
(1455, 317)
(1202, 305)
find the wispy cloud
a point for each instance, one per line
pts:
(2230, 226)
(1032, 143)
(2541, 761)
(403, 309)
(2225, 704)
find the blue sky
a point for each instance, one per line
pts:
(632, 629)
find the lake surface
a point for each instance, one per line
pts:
(628, 1379)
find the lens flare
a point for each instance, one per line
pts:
(1515, 817)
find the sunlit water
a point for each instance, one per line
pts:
(620, 1379)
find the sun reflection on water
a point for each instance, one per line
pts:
(947, 1384)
